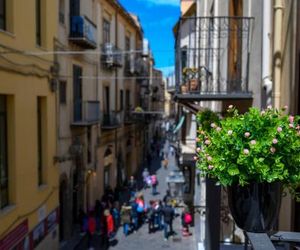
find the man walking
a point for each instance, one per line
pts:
(168, 214)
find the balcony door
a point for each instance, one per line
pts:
(74, 8)
(77, 93)
(235, 46)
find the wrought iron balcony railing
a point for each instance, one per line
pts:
(112, 120)
(212, 57)
(111, 56)
(86, 113)
(83, 32)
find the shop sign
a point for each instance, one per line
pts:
(13, 237)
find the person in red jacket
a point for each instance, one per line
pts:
(91, 228)
(110, 223)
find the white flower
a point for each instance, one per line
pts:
(230, 106)
(207, 142)
(198, 150)
(252, 142)
(210, 167)
(229, 132)
(247, 134)
(291, 125)
(273, 150)
(195, 158)
(263, 112)
(213, 125)
(246, 151)
(218, 129)
(269, 107)
(274, 141)
(209, 158)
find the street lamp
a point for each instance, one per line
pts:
(175, 181)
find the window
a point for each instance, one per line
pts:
(61, 11)
(40, 138)
(63, 92)
(4, 199)
(184, 57)
(127, 99)
(121, 100)
(106, 31)
(127, 48)
(38, 22)
(3, 14)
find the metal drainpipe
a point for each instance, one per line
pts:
(116, 93)
(277, 57)
(266, 51)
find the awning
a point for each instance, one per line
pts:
(179, 125)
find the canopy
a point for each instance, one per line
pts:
(179, 125)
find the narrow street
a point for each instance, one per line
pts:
(142, 238)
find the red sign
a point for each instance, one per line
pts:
(13, 237)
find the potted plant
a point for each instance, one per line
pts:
(254, 155)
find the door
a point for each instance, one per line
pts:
(62, 202)
(74, 8)
(235, 46)
(77, 93)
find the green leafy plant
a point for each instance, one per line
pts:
(258, 146)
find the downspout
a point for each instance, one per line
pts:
(266, 50)
(116, 97)
(277, 57)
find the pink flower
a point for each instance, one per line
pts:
(246, 151)
(195, 158)
(210, 167)
(213, 125)
(291, 125)
(298, 127)
(247, 134)
(209, 158)
(198, 150)
(252, 142)
(230, 106)
(197, 139)
(207, 142)
(291, 118)
(273, 150)
(229, 132)
(279, 129)
(274, 141)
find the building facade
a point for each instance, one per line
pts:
(102, 67)
(28, 174)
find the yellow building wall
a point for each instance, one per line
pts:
(24, 78)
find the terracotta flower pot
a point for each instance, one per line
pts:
(255, 207)
(193, 84)
(184, 89)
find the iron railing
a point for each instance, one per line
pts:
(212, 55)
(112, 119)
(83, 32)
(111, 56)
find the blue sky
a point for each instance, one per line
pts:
(158, 18)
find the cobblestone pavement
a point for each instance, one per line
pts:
(141, 239)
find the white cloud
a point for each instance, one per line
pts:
(162, 2)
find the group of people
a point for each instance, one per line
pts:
(150, 181)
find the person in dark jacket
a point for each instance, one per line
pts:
(126, 218)
(168, 214)
(132, 185)
(151, 216)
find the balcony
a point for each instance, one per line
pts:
(86, 113)
(83, 32)
(112, 120)
(212, 58)
(130, 68)
(128, 117)
(111, 56)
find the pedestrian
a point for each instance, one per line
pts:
(82, 219)
(98, 214)
(132, 186)
(167, 196)
(140, 208)
(145, 175)
(126, 218)
(150, 213)
(116, 214)
(168, 215)
(165, 163)
(158, 214)
(134, 215)
(91, 228)
(154, 183)
(186, 221)
(109, 223)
